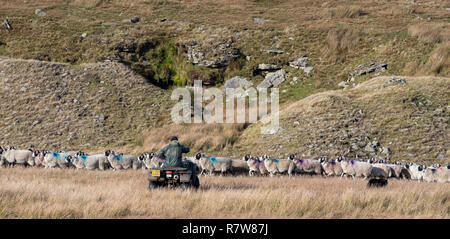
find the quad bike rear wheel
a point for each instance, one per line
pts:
(152, 185)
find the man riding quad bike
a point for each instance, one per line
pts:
(173, 171)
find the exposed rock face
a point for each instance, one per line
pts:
(259, 20)
(211, 53)
(273, 79)
(268, 67)
(238, 82)
(369, 68)
(301, 62)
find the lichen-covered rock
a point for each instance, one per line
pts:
(273, 79)
(211, 53)
(238, 82)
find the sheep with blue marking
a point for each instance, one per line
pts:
(90, 162)
(120, 161)
(278, 166)
(57, 159)
(214, 164)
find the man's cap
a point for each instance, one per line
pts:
(174, 138)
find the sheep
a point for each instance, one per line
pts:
(120, 161)
(156, 162)
(38, 158)
(416, 171)
(2, 159)
(255, 165)
(309, 166)
(56, 159)
(380, 170)
(14, 156)
(146, 160)
(430, 175)
(90, 162)
(214, 164)
(355, 168)
(332, 168)
(443, 175)
(275, 166)
(239, 166)
(193, 160)
(399, 171)
(440, 175)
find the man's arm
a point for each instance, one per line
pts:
(185, 149)
(162, 153)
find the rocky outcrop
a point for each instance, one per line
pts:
(211, 53)
(369, 68)
(273, 79)
(238, 82)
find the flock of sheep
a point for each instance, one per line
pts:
(264, 165)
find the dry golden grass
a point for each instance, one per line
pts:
(195, 136)
(339, 42)
(347, 11)
(439, 61)
(430, 32)
(57, 193)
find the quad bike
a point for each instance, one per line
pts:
(174, 177)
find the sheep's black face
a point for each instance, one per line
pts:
(198, 156)
(406, 165)
(420, 168)
(36, 153)
(107, 152)
(339, 159)
(448, 166)
(247, 157)
(292, 157)
(141, 157)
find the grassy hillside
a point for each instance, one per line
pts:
(404, 119)
(59, 106)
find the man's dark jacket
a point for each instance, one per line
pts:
(172, 154)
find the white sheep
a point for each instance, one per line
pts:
(278, 166)
(120, 161)
(332, 168)
(309, 166)
(213, 164)
(255, 165)
(355, 168)
(14, 156)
